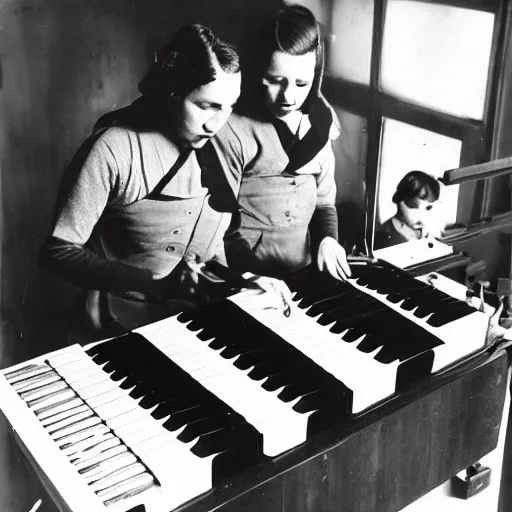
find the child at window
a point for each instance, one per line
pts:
(416, 197)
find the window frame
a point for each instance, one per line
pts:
(374, 105)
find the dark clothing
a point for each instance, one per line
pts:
(387, 235)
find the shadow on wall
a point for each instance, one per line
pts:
(64, 64)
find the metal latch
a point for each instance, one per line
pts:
(477, 479)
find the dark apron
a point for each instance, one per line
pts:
(276, 212)
(278, 198)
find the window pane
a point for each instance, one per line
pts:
(351, 45)
(437, 56)
(406, 148)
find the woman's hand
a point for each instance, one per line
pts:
(183, 283)
(332, 258)
(278, 295)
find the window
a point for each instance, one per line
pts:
(423, 75)
(349, 55)
(437, 56)
(405, 148)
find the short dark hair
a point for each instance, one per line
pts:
(187, 62)
(293, 30)
(417, 184)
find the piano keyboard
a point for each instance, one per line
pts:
(459, 327)
(207, 393)
(392, 317)
(120, 431)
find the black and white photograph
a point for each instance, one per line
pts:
(256, 256)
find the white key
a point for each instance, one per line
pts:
(187, 350)
(117, 476)
(74, 354)
(96, 389)
(43, 391)
(53, 409)
(70, 420)
(71, 440)
(164, 446)
(91, 380)
(144, 423)
(246, 396)
(51, 399)
(89, 465)
(75, 450)
(218, 368)
(79, 369)
(75, 427)
(65, 414)
(26, 372)
(140, 433)
(180, 340)
(116, 408)
(88, 452)
(126, 486)
(108, 466)
(35, 382)
(171, 470)
(104, 398)
(126, 418)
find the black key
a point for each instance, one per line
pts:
(278, 380)
(449, 315)
(421, 312)
(318, 399)
(340, 301)
(186, 416)
(354, 334)
(299, 389)
(200, 427)
(408, 305)
(217, 441)
(262, 370)
(181, 404)
(370, 343)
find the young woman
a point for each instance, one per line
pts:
(148, 190)
(415, 198)
(287, 216)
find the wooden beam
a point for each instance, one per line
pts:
(478, 172)
(501, 222)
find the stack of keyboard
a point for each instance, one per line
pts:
(159, 416)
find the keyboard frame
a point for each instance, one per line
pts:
(336, 466)
(341, 453)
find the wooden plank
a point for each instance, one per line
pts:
(386, 458)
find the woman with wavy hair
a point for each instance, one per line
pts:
(150, 191)
(287, 216)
